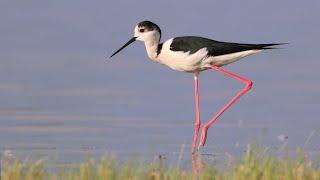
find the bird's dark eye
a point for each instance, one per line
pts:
(141, 30)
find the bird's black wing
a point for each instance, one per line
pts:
(192, 44)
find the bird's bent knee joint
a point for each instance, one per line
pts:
(249, 84)
(205, 129)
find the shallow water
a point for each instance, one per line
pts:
(73, 138)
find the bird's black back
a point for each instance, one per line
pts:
(215, 48)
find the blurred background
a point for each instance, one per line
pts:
(61, 96)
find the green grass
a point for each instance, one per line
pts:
(253, 164)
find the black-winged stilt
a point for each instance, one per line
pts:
(195, 54)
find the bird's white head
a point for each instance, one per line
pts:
(145, 31)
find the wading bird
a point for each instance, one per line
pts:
(195, 54)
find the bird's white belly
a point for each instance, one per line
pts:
(181, 61)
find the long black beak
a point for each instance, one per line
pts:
(127, 44)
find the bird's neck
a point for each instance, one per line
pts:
(152, 47)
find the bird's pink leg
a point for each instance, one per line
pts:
(198, 122)
(248, 85)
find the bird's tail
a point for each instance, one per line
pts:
(267, 46)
